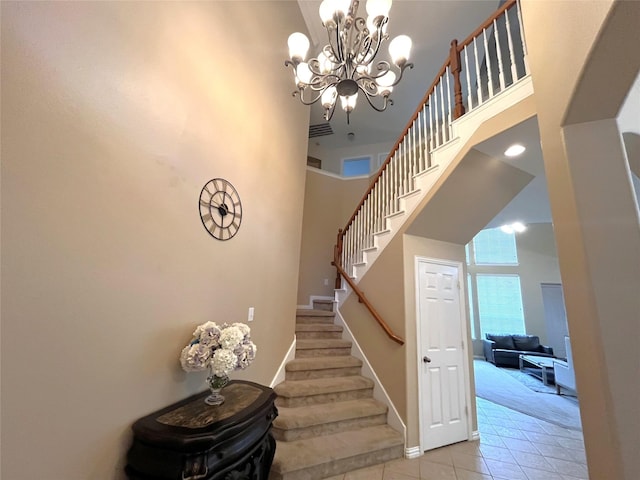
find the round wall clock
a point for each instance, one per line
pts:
(220, 209)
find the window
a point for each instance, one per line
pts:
(353, 167)
(494, 247)
(500, 304)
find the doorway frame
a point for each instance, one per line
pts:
(466, 346)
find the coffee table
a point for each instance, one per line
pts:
(539, 367)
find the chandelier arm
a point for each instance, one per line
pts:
(386, 99)
(380, 38)
(404, 67)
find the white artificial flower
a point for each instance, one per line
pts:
(195, 357)
(208, 334)
(244, 328)
(231, 337)
(221, 347)
(247, 355)
(223, 362)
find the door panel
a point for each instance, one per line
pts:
(441, 349)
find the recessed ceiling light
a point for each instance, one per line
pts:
(517, 227)
(514, 150)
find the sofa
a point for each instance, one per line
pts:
(504, 350)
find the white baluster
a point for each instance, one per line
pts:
(425, 126)
(512, 58)
(414, 167)
(496, 34)
(524, 43)
(433, 121)
(442, 110)
(478, 75)
(488, 62)
(466, 67)
(447, 74)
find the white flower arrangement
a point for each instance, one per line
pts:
(220, 348)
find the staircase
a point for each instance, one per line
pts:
(328, 421)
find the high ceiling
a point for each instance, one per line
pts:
(431, 24)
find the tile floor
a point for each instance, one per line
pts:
(512, 446)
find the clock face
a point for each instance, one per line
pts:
(220, 209)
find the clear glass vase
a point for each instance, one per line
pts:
(216, 384)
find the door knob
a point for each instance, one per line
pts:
(426, 359)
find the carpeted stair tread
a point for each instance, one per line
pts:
(321, 363)
(322, 386)
(308, 453)
(301, 417)
(318, 327)
(319, 343)
(314, 313)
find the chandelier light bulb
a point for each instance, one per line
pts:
(348, 103)
(378, 8)
(399, 49)
(326, 13)
(325, 64)
(506, 229)
(364, 69)
(298, 46)
(329, 97)
(345, 65)
(341, 7)
(385, 83)
(304, 73)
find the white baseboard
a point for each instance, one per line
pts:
(475, 435)
(280, 374)
(412, 452)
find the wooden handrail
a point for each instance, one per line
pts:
(397, 144)
(362, 299)
(453, 62)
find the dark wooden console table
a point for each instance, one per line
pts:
(191, 440)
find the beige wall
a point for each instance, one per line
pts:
(114, 115)
(579, 89)
(415, 246)
(329, 202)
(384, 288)
(332, 157)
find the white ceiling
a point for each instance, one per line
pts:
(432, 24)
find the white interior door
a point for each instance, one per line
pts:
(443, 384)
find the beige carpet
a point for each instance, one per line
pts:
(497, 386)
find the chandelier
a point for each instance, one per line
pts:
(345, 66)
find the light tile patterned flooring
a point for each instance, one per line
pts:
(512, 446)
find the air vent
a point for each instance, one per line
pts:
(320, 130)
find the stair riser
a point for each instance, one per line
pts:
(328, 428)
(330, 372)
(320, 334)
(322, 352)
(323, 398)
(314, 320)
(318, 472)
(326, 306)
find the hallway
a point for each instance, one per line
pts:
(512, 446)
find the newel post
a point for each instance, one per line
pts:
(337, 255)
(456, 68)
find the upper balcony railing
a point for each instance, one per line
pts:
(490, 60)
